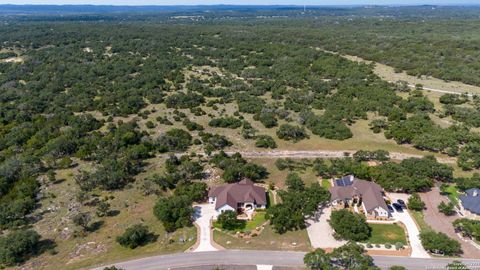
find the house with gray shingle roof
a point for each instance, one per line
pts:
(365, 196)
(470, 205)
(241, 196)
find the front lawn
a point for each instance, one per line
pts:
(267, 240)
(326, 183)
(451, 191)
(386, 234)
(250, 225)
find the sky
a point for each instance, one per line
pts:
(240, 2)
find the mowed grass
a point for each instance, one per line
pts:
(267, 240)
(452, 193)
(250, 225)
(257, 221)
(419, 219)
(387, 234)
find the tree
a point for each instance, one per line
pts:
(294, 182)
(318, 260)
(174, 212)
(174, 140)
(196, 191)
(351, 256)
(447, 208)
(265, 141)
(82, 219)
(349, 226)
(134, 236)
(228, 221)
(415, 202)
(294, 133)
(113, 267)
(457, 265)
(17, 246)
(103, 209)
(348, 256)
(396, 267)
(437, 242)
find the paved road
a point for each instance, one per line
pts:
(276, 258)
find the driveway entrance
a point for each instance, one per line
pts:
(204, 213)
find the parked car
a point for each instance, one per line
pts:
(402, 203)
(397, 207)
(390, 208)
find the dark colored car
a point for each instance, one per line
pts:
(397, 207)
(402, 203)
(390, 208)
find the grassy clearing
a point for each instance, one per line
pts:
(267, 240)
(326, 183)
(388, 73)
(419, 218)
(452, 192)
(387, 234)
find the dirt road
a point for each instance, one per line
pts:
(323, 154)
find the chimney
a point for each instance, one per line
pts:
(475, 193)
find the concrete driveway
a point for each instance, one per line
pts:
(320, 232)
(204, 213)
(412, 230)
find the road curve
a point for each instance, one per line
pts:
(275, 258)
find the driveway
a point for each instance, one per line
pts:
(412, 230)
(440, 222)
(320, 232)
(204, 213)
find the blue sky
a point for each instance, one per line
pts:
(240, 2)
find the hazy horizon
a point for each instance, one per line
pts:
(230, 2)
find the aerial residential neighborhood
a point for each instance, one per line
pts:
(239, 135)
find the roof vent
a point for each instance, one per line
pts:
(475, 193)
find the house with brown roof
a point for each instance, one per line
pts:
(362, 196)
(240, 197)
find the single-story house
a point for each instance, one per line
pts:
(365, 196)
(240, 197)
(470, 205)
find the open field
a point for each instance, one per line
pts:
(388, 73)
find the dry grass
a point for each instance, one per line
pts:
(267, 240)
(100, 247)
(388, 73)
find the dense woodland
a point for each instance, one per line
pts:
(58, 104)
